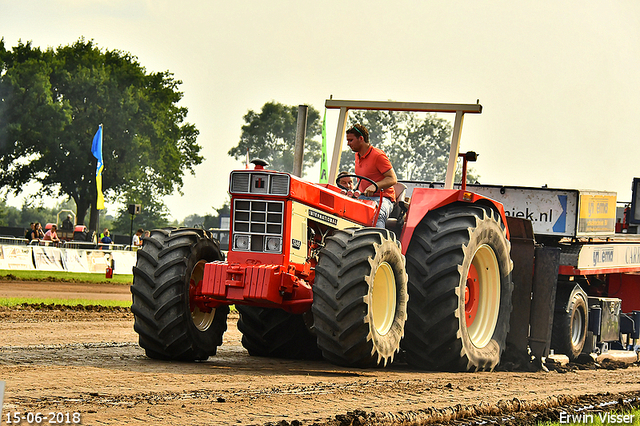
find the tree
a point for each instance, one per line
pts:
(153, 215)
(208, 221)
(417, 147)
(9, 215)
(51, 103)
(271, 136)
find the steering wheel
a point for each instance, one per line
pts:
(356, 185)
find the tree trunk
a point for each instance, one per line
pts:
(94, 219)
(81, 210)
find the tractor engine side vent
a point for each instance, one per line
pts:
(240, 182)
(259, 183)
(279, 185)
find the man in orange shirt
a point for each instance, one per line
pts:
(373, 163)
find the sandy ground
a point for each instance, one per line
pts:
(62, 290)
(88, 362)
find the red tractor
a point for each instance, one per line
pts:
(311, 276)
(68, 230)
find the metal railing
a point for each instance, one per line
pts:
(6, 239)
(82, 245)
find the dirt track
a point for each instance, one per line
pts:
(89, 362)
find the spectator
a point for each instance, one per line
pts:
(106, 230)
(37, 233)
(29, 234)
(347, 182)
(106, 239)
(147, 234)
(67, 224)
(52, 234)
(137, 241)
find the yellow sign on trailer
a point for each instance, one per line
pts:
(596, 213)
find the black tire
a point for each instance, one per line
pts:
(570, 320)
(442, 331)
(275, 333)
(169, 267)
(360, 298)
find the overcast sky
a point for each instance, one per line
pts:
(559, 80)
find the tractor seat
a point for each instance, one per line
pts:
(395, 222)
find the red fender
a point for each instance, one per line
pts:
(424, 200)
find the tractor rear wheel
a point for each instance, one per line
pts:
(276, 333)
(360, 297)
(170, 321)
(570, 320)
(459, 290)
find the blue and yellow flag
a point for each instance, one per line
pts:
(324, 172)
(96, 150)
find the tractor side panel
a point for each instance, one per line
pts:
(298, 240)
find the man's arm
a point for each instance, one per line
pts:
(388, 181)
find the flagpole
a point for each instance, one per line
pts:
(98, 217)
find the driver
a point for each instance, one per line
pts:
(67, 224)
(373, 163)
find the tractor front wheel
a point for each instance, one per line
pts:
(360, 298)
(171, 321)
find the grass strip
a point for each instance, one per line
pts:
(17, 301)
(598, 418)
(63, 276)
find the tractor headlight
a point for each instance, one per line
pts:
(241, 242)
(274, 244)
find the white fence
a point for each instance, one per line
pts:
(66, 257)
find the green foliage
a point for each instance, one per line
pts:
(207, 221)
(271, 136)
(51, 103)
(418, 148)
(153, 214)
(9, 215)
(33, 210)
(30, 212)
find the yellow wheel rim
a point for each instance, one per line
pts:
(488, 298)
(201, 319)
(383, 298)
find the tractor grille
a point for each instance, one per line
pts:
(259, 183)
(258, 226)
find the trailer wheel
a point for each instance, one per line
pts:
(570, 321)
(170, 320)
(360, 297)
(459, 290)
(276, 333)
